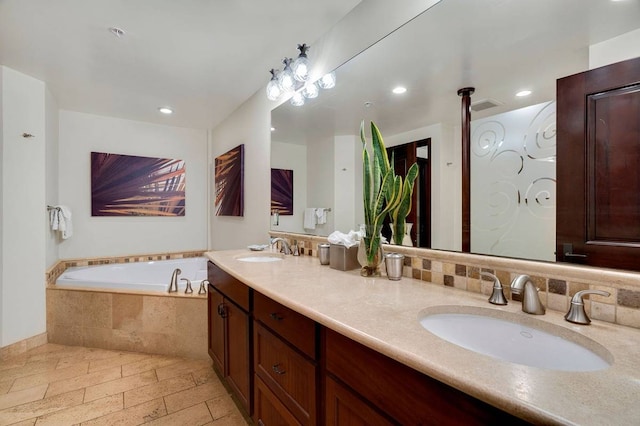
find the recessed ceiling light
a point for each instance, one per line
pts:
(118, 32)
(523, 93)
(273, 129)
(399, 90)
(165, 110)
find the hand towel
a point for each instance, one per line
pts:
(309, 220)
(321, 215)
(65, 226)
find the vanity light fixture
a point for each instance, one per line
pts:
(523, 93)
(399, 90)
(295, 80)
(165, 110)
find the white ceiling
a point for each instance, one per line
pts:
(203, 58)
(497, 46)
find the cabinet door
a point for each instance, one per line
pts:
(269, 411)
(343, 408)
(216, 329)
(238, 361)
(597, 167)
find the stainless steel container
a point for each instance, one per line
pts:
(343, 258)
(394, 263)
(323, 253)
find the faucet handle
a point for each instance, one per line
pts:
(577, 314)
(497, 295)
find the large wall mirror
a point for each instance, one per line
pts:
(500, 47)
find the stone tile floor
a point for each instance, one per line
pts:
(71, 385)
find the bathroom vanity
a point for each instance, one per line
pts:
(321, 346)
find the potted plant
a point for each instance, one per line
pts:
(382, 193)
(398, 215)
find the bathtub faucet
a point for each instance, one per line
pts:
(173, 285)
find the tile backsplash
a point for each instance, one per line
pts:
(557, 282)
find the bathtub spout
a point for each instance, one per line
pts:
(187, 290)
(173, 285)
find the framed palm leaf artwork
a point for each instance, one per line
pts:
(128, 185)
(282, 191)
(229, 183)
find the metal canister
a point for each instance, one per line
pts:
(394, 263)
(323, 253)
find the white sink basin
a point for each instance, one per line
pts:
(260, 257)
(505, 336)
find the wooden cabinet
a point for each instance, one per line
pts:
(284, 360)
(230, 332)
(285, 369)
(405, 395)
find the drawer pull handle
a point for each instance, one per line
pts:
(276, 316)
(276, 369)
(222, 311)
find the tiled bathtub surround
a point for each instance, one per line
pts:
(557, 282)
(168, 324)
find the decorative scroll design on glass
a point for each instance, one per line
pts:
(513, 183)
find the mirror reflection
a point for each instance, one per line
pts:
(499, 47)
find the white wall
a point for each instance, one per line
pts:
(51, 174)
(250, 124)
(23, 207)
(623, 47)
(348, 210)
(320, 181)
(80, 134)
(292, 157)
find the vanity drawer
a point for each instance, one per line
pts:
(289, 375)
(297, 329)
(231, 287)
(269, 410)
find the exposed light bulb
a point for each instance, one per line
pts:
(273, 87)
(301, 65)
(297, 99)
(328, 81)
(310, 90)
(285, 79)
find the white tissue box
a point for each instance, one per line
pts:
(342, 258)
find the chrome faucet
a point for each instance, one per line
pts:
(497, 295)
(531, 303)
(576, 312)
(173, 285)
(286, 248)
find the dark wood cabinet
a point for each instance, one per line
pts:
(286, 369)
(403, 394)
(284, 345)
(598, 134)
(230, 332)
(344, 408)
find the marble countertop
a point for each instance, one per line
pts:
(383, 315)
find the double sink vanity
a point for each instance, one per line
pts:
(301, 343)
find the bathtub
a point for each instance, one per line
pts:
(146, 276)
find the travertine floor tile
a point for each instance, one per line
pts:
(99, 395)
(119, 385)
(135, 415)
(23, 396)
(80, 382)
(156, 361)
(50, 376)
(181, 368)
(193, 396)
(28, 369)
(222, 406)
(82, 412)
(157, 390)
(192, 416)
(122, 359)
(40, 408)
